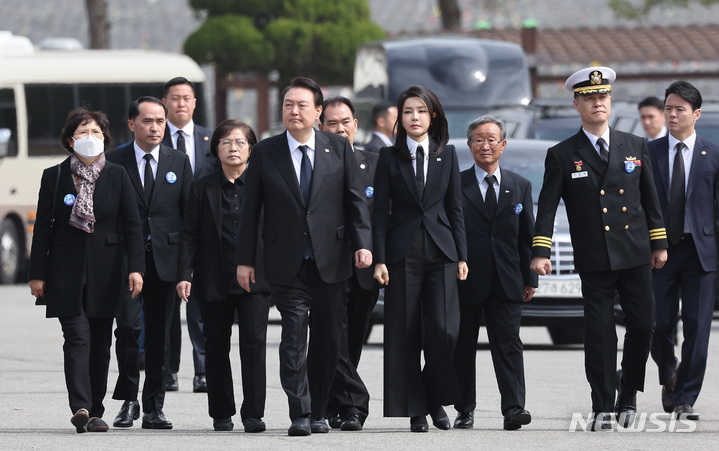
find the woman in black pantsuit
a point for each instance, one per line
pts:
(419, 240)
(210, 238)
(76, 265)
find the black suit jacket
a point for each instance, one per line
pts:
(77, 258)
(336, 196)
(162, 217)
(374, 144)
(701, 194)
(367, 162)
(614, 216)
(205, 163)
(201, 245)
(399, 211)
(505, 243)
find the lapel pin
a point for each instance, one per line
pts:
(170, 177)
(506, 191)
(69, 199)
(207, 138)
(439, 159)
(362, 166)
(327, 150)
(704, 152)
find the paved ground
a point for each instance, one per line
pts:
(34, 412)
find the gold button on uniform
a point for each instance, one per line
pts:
(624, 208)
(604, 209)
(606, 228)
(601, 192)
(626, 227)
(621, 191)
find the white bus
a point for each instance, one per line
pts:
(37, 90)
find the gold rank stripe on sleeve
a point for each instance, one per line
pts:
(542, 241)
(658, 234)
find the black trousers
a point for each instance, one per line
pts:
(219, 317)
(360, 303)
(307, 370)
(599, 288)
(127, 348)
(502, 317)
(197, 337)
(684, 271)
(421, 318)
(157, 306)
(86, 361)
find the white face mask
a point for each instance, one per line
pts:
(89, 146)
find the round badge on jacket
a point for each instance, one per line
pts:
(170, 177)
(69, 199)
(518, 209)
(369, 192)
(629, 166)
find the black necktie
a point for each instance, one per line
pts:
(181, 141)
(419, 172)
(305, 182)
(603, 152)
(490, 198)
(149, 178)
(675, 222)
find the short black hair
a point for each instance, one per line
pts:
(336, 101)
(379, 110)
(134, 109)
(686, 91)
(225, 128)
(307, 83)
(651, 101)
(177, 81)
(81, 116)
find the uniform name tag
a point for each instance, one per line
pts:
(579, 175)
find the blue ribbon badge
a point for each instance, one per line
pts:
(629, 166)
(69, 199)
(170, 177)
(518, 209)
(369, 192)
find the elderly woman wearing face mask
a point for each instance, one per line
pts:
(86, 220)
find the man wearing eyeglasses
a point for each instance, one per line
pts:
(498, 216)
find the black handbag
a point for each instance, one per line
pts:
(41, 301)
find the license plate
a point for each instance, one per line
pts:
(559, 288)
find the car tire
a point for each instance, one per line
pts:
(11, 255)
(566, 335)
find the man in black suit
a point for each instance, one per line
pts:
(161, 177)
(384, 118)
(349, 400)
(499, 221)
(310, 187)
(183, 134)
(605, 179)
(686, 173)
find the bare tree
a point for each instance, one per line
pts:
(99, 24)
(451, 15)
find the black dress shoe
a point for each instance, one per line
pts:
(223, 424)
(626, 405)
(80, 419)
(335, 421)
(300, 427)
(418, 424)
(351, 423)
(155, 420)
(600, 422)
(668, 394)
(129, 411)
(319, 426)
(199, 384)
(464, 420)
(686, 411)
(253, 425)
(97, 425)
(172, 384)
(440, 420)
(515, 418)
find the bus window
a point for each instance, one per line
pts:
(47, 108)
(8, 123)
